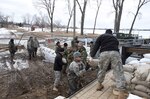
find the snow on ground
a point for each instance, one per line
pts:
(4, 33)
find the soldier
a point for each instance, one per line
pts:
(36, 45)
(83, 52)
(58, 63)
(70, 55)
(74, 43)
(12, 49)
(65, 55)
(109, 53)
(58, 46)
(75, 73)
(30, 47)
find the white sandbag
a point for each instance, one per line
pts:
(134, 62)
(142, 72)
(129, 59)
(128, 68)
(145, 60)
(131, 96)
(48, 54)
(142, 88)
(141, 94)
(128, 77)
(146, 56)
(138, 82)
(148, 77)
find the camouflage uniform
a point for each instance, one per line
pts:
(36, 45)
(30, 47)
(83, 52)
(70, 56)
(114, 58)
(65, 55)
(75, 74)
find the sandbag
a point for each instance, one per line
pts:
(146, 56)
(129, 59)
(142, 88)
(93, 62)
(144, 83)
(142, 72)
(145, 60)
(140, 93)
(134, 62)
(148, 77)
(128, 68)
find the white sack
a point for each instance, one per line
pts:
(142, 72)
(128, 68)
(142, 88)
(48, 54)
(129, 59)
(148, 77)
(146, 56)
(138, 82)
(145, 60)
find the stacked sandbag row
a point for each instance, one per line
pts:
(137, 74)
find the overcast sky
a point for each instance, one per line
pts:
(19, 8)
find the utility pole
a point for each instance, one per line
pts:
(74, 19)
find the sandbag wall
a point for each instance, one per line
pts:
(137, 74)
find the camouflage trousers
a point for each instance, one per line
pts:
(57, 78)
(114, 58)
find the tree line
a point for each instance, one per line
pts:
(47, 19)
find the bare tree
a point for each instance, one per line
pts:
(118, 6)
(82, 10)
(140, 4)
(70, 10)
(97, 11)
(28, 19)
(49, 6)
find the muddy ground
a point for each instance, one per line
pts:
(33, 82)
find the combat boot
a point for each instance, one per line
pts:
(99, 87)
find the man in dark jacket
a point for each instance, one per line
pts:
(58, 63)
(109, 53)
(12, 49)
(30, 47)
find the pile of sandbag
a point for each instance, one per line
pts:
(137, 74)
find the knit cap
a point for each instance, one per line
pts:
(76, 54)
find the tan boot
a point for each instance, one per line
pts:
(122, 95)
(99, 87)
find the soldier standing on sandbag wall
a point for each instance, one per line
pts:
(109, 53)
(30, 47)
(36, 45)
(12, 49)
(75, 74)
